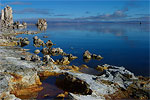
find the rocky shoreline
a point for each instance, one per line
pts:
(21, 73)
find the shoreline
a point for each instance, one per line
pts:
(16, 75)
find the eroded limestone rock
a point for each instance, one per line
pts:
(23, 42)
(41, 22)
(87, 55)
(45, 51)
(47, 58)
(49, 43)
(38, 42)
(37, 51)
(65, 61)
(7, 16)
(71, 57)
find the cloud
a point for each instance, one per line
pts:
(62, 15)
(144, 18)
(141, 17)
(18, 3)
(32, 11)
(15, 3)
(117, 15)
(143, 14)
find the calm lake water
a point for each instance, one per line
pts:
(120, 44)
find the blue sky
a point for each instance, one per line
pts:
(93, 10)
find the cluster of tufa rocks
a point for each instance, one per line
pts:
(41, 22)
(38, 42)
(7, 16)
(48, 51)
(88, 55)
(63, 61)
(18, 25)
(7, 23)
(7, 19)
(23, 42)
(33, 58)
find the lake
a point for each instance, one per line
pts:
(121, 44)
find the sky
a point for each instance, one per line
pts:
(80, 10)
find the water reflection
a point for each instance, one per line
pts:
(117, 29)
(42, 28)
(97, 27)
(119, 44)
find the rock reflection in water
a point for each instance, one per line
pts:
(42, 28)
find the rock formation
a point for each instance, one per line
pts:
(7, 16)
(41, 22)
(7, 23)
(38, 42)
(23, 42)
(18, 25)
(87, 55)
